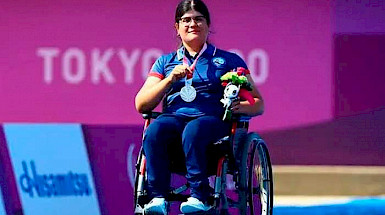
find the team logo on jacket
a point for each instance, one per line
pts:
(218, 61)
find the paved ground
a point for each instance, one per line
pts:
(321, 180)
(317, 200)
(329, 205)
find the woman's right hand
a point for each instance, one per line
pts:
(179, 72)
(154, 88)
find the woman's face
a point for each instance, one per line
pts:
(192, 28)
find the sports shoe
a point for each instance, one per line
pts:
(156, 206)
(193, 205)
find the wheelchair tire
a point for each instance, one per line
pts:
(137, 166)
(259, 177)
(220, 199)
(140, 197)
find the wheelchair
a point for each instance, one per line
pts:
(242, 155)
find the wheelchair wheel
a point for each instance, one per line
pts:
(259, 177)
(220, 200)
(140, 195)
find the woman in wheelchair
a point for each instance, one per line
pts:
(188, 81)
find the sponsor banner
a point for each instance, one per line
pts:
(51, 169)
(113, 152)
(2, 208)
(7, 178)
(84, 67)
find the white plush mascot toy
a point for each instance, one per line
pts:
(236, 86)
(229, 95)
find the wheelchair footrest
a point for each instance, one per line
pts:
(138, 209)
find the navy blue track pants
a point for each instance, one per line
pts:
(171, 135)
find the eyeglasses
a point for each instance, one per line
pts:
(199, 20)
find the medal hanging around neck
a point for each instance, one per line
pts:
(188, 93)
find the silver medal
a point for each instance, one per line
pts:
(188, 93)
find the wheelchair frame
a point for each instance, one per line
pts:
(248, 162)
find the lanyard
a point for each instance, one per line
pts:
(192, 67)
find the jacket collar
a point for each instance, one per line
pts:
(211, 50)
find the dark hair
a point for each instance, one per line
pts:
(197, 5)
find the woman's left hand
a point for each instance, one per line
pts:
(235, 105)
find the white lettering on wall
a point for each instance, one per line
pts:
(99, 66)
(70, 57)
(129, 63)
(73, 64)
(47, 54)
(258, 62)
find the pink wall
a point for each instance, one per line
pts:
(357, 16)
(360, 74)
(304, 90)
(73, 61)
(359, 57)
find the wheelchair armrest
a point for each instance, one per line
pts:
(151, 115)
(242, 120)
(235, 117)
(240, 117)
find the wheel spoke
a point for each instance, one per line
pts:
(255, 197)
(259, 179)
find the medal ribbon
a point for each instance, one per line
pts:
(192, 67)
